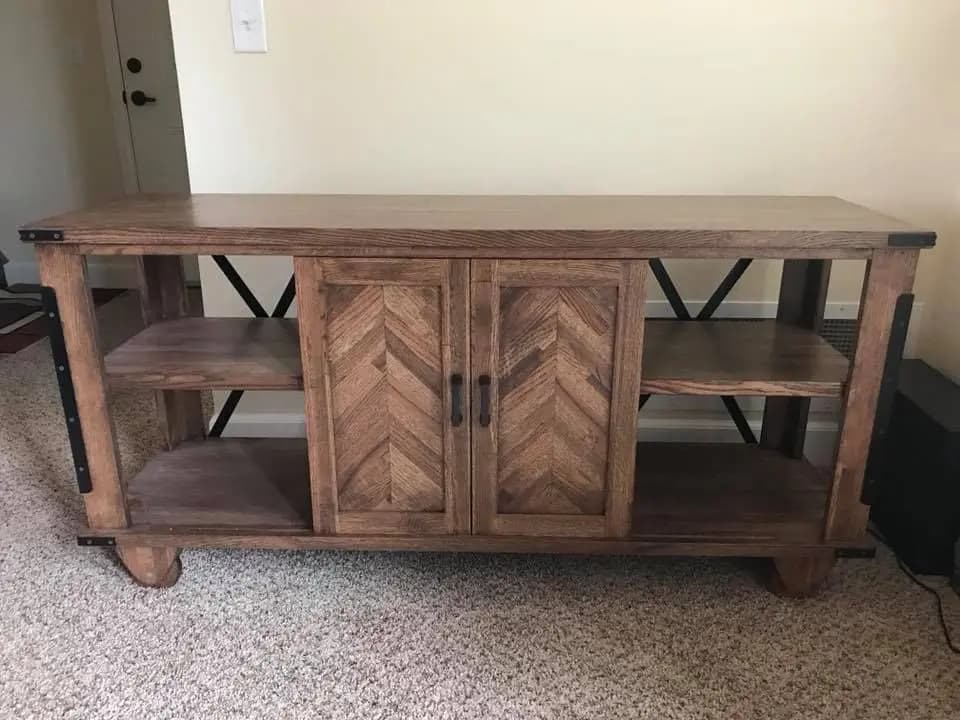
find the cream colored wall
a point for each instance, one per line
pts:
(941, 341)
(57, 145)
(857, 99)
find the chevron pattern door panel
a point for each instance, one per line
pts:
(560, 341)
(391, 334)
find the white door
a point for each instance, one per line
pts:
(149, 75)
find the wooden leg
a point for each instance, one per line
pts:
(889, 275)
(157, 567)
(803, 295)
(163, 296)
(802, 576)
(66, 273)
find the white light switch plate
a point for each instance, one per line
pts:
(249, 26)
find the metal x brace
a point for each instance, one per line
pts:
(706, 312)
(279, 310)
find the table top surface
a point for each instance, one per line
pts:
(489, 220)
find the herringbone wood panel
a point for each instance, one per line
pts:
(386, 386)
(555, 376)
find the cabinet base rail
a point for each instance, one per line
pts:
(640, 545)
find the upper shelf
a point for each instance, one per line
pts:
(198, 353)
(738, 357)
(492, 225)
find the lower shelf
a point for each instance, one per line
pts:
(225, 483)
(727, 492)
(727, 499)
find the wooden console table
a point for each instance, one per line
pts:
(472, 369)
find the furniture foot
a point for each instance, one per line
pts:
(157, 567)
(801, 576)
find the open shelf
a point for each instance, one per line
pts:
(234, 482)
(727, 492)
(739, 357)
(199, 353)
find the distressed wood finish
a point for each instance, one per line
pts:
(357, 224)
(386, 333)
(804, 575)
(301, 540)
(889, 275)
(151, 565)
(734, 357)
(163, 296)
(803, 296)
(727, 492)
(547, 334)
(67, 275)
(544, 296)
(585, 251)
(312, 316)
(224, 353)
(225, 483)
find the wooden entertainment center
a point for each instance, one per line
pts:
(472, 370)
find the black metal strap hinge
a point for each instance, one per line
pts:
(40, 235)
(95, 541)
(64, 380)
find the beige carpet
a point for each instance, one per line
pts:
(353, 635)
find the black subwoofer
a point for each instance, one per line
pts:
(916, 474)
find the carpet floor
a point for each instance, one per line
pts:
(364, 635)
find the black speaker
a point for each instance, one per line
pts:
(916, 474)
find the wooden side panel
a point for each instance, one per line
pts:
(312, 316)
(625, 399)
(391, 452)
(561, 344)
(163, 296)
(67, 275)
(889, 275)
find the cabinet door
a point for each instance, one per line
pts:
(384, 347)
(555, 373)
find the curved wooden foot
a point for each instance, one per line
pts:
(157, 567)
(802, 575)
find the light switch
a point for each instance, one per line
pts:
(249, 28)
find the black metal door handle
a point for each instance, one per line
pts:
(484, 382)
(140, 98)
(456, 399)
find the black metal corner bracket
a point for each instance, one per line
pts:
(95, 541)
(867, 552)
(912, 239)
(62, 364)
(888, 391)
(41, 235)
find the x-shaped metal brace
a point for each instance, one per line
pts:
(706, 312)
(656, 265)
(279, 310)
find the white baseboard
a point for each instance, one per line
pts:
(265, 424)
(819, 448)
